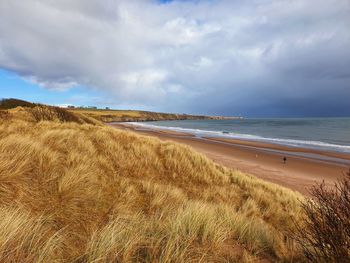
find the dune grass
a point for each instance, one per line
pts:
(77, 192)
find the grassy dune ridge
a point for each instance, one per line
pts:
(110, 115)
(83, 192)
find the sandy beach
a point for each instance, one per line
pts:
(302, 169)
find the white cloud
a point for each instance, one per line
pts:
(179, 54)
(54, 85)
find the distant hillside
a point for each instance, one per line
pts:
(134, 115)
(6, 104)
(114, 115)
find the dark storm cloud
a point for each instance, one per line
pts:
(224, 57)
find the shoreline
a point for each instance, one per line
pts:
(311, 147)
(303, 168)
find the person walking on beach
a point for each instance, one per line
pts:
(284, 159)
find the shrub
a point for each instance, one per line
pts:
(4, 115)
(325, 233)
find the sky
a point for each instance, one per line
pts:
(257, 58)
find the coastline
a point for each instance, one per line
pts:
(303, 168)
(110, 115)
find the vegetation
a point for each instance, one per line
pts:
(39, 113)
(102, 115)
(6, 104)
(325, 232)
(75, 192)
(4, 115)
(49, 113)
(134, 115)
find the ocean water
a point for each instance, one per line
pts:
(332, 134)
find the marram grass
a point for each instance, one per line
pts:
(89, 193)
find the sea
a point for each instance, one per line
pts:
(330, 134)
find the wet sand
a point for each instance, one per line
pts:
(303, 168)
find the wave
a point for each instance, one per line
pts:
(250, 137)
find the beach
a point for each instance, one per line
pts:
(302, 169)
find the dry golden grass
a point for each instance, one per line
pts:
(74, 192)
(46, 113)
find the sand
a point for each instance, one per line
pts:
(303, 168)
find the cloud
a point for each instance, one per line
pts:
(215, 57)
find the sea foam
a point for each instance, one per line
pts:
(249, 137)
